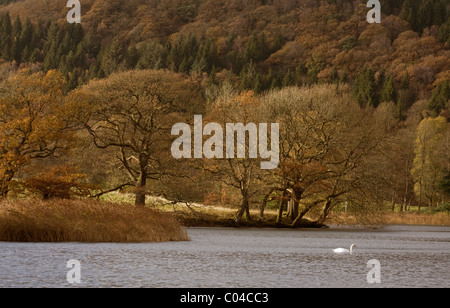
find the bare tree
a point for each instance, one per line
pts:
(327, 142)
(133, 112)
(237, 172)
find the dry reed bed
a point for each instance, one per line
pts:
(436, 219)
(85, 221)
(390, 218)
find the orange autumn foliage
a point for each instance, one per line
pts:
(62, 182)
(31, 121)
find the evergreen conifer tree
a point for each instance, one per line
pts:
(388, 92)
(439, 98)
(365, 88)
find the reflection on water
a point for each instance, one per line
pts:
(410, 256)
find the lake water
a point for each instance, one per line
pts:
(409, 256)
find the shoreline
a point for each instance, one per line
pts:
(201, 215)
(100, 221)
(211, 218)
(230, 223)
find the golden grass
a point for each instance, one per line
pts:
(393, 218)
(85, 221)
(436, 219)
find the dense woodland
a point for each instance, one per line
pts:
(363, 108)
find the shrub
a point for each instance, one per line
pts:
(443, 208)
(61, 182)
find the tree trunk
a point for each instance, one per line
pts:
(245, 209)
(140, 192)
(292, 210)
(264, 204)
(420, 183)
(3, 193)
(141, 186)
(303, 213)
(4, 189)
(300, 215)
(4, 184)
(325, 212)
(282, 205)
(293, 204)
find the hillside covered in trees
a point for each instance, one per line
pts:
(266, 44)
(266, 53)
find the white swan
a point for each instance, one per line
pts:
(343, 250)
